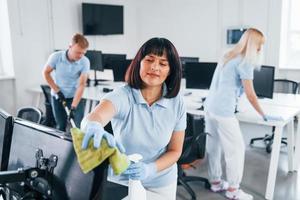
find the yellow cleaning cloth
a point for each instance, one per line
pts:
(90, 158)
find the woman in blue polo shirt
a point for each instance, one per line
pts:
(148, 117)
(233, 75)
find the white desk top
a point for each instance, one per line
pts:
(288, 100)
(95, 93)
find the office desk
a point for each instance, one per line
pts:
(249, 115)
(287, 106)
(288, 100)
(94, 94)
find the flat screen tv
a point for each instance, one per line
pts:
(101, 19)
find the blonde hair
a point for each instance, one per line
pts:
(80, 40)
(247, 47)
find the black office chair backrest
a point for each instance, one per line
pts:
(285, 86)
(47, 93)
(49, 117)
(194, 141)
(30, 113)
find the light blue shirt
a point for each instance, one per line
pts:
(227, 86)
(146, 130)
(67, 73)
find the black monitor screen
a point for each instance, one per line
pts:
(263, 81)
(120, 68)
(110, 58)
(100, 19)
(68, 182)
(96, 60)
(199, 75)
(185, 60)
(6, 126)
(234, 35)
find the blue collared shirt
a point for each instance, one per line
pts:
(145, 129)
(226, 86)
(67, 73)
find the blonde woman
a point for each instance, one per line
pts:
(233, 76)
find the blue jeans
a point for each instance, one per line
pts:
(60, 114)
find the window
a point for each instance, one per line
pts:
(290, 35)
(6, 59)
(1, 68)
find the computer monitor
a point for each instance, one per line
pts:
(199, 75)
(263, 81)
(109, 58)
(185, 60)
(96, 60)
(6, 127)
(68, 181)
(119, 69)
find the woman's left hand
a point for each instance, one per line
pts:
(141, 170)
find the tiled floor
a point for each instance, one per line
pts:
(254, 179)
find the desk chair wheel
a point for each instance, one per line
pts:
(269, 148)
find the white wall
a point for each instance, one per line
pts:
(67, 20)
(196, 27)
(6, 60)
(191, 25)
(38, 27)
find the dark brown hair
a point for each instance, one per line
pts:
(156, 46)
(80, 40)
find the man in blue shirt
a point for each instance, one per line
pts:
(67, 83)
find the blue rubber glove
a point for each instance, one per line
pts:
(95, 130)
(272, 118)
(140, 170)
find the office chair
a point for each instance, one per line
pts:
(280, 86)
(48, 119)
(31, 114)
(193, 149)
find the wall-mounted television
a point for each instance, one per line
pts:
(234, 35)
(102, 19)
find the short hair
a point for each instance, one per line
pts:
(156, 46)
(80, 40)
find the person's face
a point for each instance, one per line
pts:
(154, 69)
(76, 52)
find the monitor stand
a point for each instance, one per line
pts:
(96, 81)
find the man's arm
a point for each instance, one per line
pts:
(80, 89)
(47, 76)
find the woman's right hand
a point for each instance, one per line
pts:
(95, 130)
